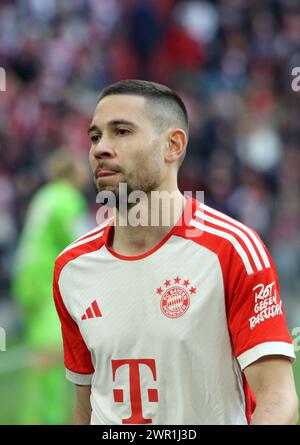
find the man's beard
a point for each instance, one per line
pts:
(118, 200)
(121, 199)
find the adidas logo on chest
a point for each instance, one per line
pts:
(93, 311)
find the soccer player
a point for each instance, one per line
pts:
(55, 215)
(168, 323)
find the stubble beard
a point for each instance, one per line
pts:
(132, 185)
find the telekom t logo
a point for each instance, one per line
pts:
(135, 388)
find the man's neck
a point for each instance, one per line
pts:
(156, 222)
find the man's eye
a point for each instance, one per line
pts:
(122, 131)
(94, 139)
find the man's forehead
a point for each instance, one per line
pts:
(120, 106)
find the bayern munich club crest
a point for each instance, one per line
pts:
(175, 297)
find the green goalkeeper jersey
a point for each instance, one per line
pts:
(52, 222)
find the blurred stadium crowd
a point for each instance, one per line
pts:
(231, 60)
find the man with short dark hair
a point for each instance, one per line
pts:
(174, 322)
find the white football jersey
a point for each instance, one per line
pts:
(163, 337)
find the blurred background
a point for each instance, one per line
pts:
(230, 60)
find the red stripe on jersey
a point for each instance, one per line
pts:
(237, 239)
(239, 233)
(73, 253)
(89, 313)
(92, 233)
(96, 309)
(252, 236)
(86, 236)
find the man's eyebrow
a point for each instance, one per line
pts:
(113, 123)
(121, 122)
(93, 128)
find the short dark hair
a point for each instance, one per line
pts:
(167, 107)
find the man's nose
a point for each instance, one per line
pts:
(104, 149)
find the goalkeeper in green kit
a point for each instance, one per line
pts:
(56, 215)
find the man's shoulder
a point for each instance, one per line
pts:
(210, 221)
(87, 243)
(212, 217)
(228, 237)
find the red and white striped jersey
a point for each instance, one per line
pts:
(164, 337)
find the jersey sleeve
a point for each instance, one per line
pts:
(255, 312)
(77, 357)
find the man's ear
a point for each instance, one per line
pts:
(175, 145)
